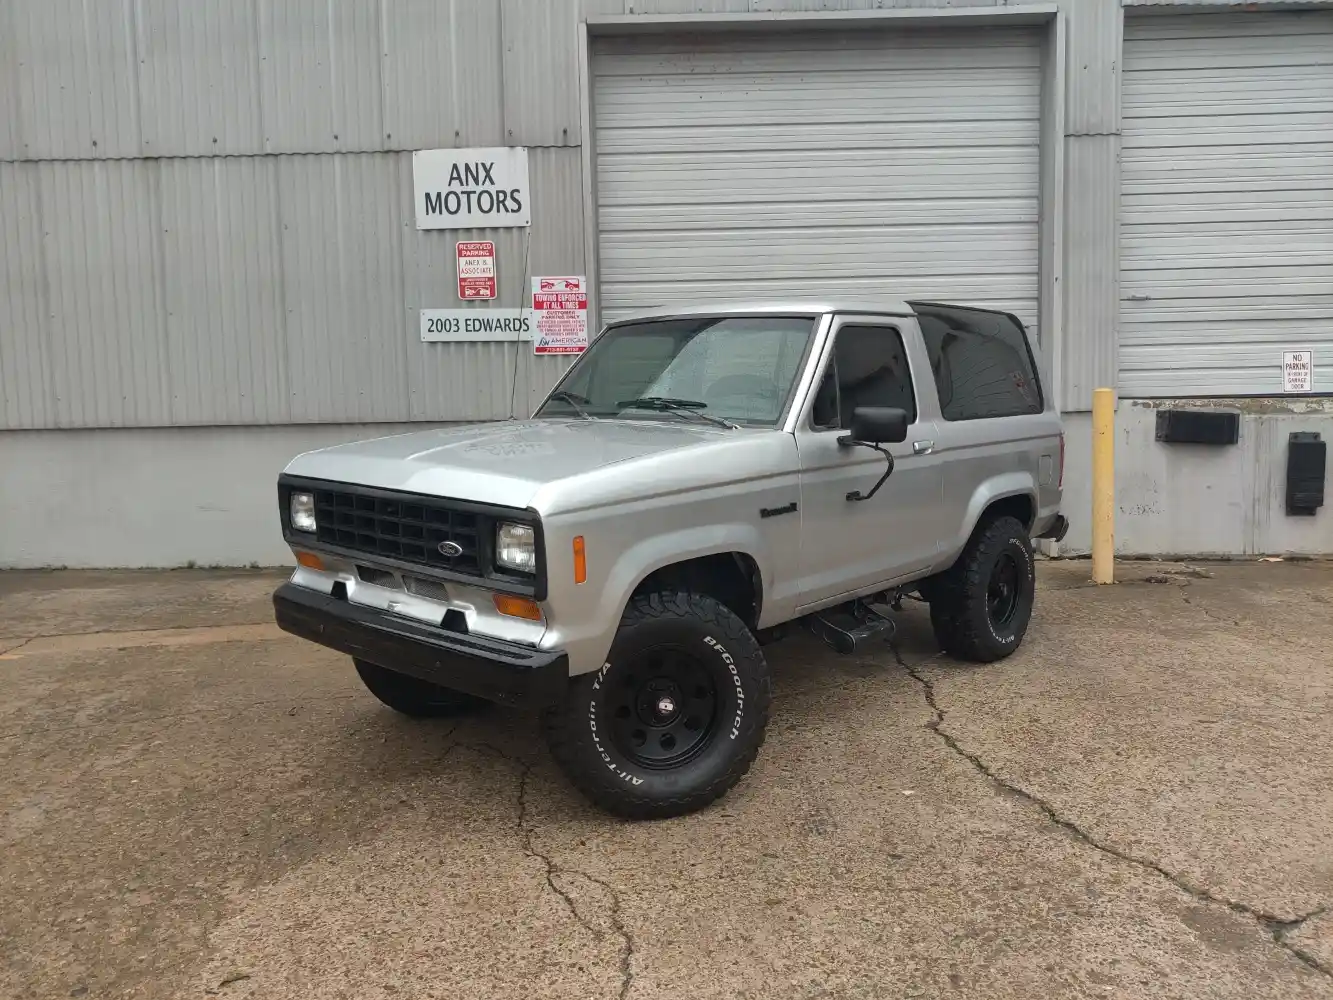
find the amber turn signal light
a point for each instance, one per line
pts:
(309, 560)
(518, 607)
(580, 560)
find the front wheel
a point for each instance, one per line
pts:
(413, 696)
(980, 608)
(674, 718)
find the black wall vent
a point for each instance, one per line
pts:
(1307, 458)
(1198, 426)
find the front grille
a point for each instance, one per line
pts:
(426, 588)
(379, 577)
(409, 528)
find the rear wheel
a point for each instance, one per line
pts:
(675, 717)
(980, 608)
(413, 696)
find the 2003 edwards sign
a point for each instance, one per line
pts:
(471, 188)
(451, 326)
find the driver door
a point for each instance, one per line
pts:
(847, 546)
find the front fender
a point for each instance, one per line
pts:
(1007, 484)
(584, 623)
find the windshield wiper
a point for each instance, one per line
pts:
(575, 401)
(668, 404)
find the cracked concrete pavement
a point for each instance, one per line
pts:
(1136, 804)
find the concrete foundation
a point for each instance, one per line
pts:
(1202, 500)
(206, 495)
(162, 497)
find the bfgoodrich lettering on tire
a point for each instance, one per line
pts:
(980, 608)
(674, 718)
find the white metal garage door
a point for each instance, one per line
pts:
(1227, 209)
(881, 164)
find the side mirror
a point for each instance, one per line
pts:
(876, 425)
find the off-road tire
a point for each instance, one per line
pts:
(415, 697)
(960, 611)
(581, 733)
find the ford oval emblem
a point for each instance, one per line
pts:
(450, 550)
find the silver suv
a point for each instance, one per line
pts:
(695, 483)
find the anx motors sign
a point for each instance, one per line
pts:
(471, 188)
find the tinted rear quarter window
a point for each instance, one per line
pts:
(981, 362)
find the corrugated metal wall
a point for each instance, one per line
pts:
(205, 210)
(128, 78)
(161, 265)
(1087, 351)
(253, 290)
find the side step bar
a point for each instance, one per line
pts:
(848, 627)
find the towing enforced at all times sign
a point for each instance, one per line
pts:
(471, 188)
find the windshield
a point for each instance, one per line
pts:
(739, 369)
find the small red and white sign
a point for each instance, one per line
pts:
(560, 315)
(476, 270)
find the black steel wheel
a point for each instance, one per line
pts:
(674, 718)
(665, 710)
(1004, 590)
(981, 606)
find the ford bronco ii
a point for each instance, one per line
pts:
(693, 484)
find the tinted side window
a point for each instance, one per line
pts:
(869, 368)
(981, 363)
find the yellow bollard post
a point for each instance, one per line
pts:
(1103, 486)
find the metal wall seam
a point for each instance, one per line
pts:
(243, 290)
(222, 284)
(342, 264)
(1093, 79)
(198, 78)
(320, 75)
(834, 5)
(25, 309)
(11, 139)
(541, 83)
(442, 78)
(125, 78)
(586, 8)
(1091, 206)
(1226, 3)
(684, 7)
(1051, 224)
(71, 97)
(128, 78)
(1090, 200)
(101, 261)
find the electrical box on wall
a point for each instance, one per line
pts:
(1307, 458)
(1198, 426)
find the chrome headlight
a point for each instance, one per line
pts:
(302, 510)
(516, 547)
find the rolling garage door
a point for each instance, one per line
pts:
(1226, 234)
(882, 164)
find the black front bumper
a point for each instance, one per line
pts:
(502, 672)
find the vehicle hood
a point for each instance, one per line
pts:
(500, 463)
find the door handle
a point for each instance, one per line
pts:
(922, 447)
